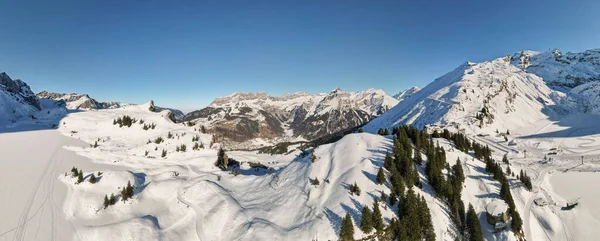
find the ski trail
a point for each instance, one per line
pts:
(24, 218)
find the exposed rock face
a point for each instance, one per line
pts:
(254, 119)
(19, 89)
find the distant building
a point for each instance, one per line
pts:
(497, 214)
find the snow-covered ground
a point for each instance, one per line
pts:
(32, 196)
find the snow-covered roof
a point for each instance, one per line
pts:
(496, 207)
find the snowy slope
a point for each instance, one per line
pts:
(253, 119)
(511, 98)
(400, 96)
(16, 100)
(563, 70)
(185, 197)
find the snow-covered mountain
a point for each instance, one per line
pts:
(490, 95)
(241, 117)
(76, 101)
(16, 99)
(562, 70)
(400, 96)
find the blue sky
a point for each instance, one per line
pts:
(183, 54)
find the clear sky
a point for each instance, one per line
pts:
(183, 54)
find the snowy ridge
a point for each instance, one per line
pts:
(400, 96)
(75, 101)
(563, 70)
(511, 98)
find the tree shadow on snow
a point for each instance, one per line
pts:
(371, 177)
(334, 219)
(355, 214)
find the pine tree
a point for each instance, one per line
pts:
(377, 220)
(516, 223)
(380, 132)
(112, 199)
(366, 223)
(427, 230)
(92, 178)
(505, 159)
(74, 172)
(380, 176)
(386, 132)
(347, 229)
(316, 181)
(80, 177)
(360, 130)
(473, 225)
(388, 161)
(129, 189)
(106, 201)
(164, 153)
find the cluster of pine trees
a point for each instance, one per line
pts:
(381, 131)
(124, 121)
(369, 221)
(448, 189)
(181, 148)
(127, 192)
(222, 159)
(525, 179)
(355, 189)
(78, 174)
(484, 153)
(195, 138)
(414, 219)
(197, 146)
(109, 201)
(148, 126)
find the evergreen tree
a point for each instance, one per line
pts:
(80, 177)
(366, 223)
(386, 132)
(92, 178)
(410, 215)
(377, 220)
(380, 176)
(398, 183)
(383, 197)
(380, 132)
(505, 159)
(388, 161)
(316, 181)
(516, 223)
(347, 229)
(164, 153)
(427, 230)
(106, 201)
(473, 225)
(112, 199)
(360, 130)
